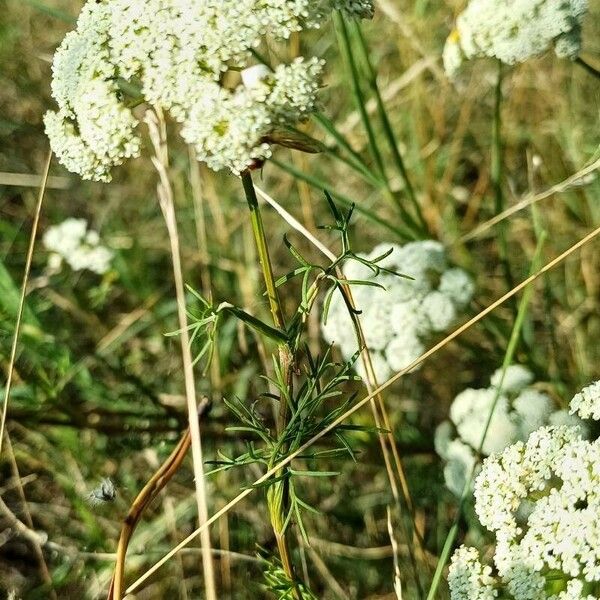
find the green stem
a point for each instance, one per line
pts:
(317, 183)
(278, 493)
(508, 359)
(355, 160)
(497, 174)
(589, 68)
(263, 251)
(387, 126)
(345, 45)
(344, 42)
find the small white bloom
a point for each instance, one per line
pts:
(401, 316)
(440, 310)
(565, 418)
(574, 591)
(533, 409)
(255, 75)
(403, 350)
(515, 30)
(468, 578)
(460, 463)
(457, 284)
(470, 412)
(516, 378)
(453, 55)
(79, 247)
(587, 402)
(444, 434)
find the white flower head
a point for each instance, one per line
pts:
(470, 413)
(460, 465)
(541, 499)
(586, 403)
(79, 247)
(515, 30)
(468, 578)
(399, 317)
(515, 379)
(254, 76)
(176, 52)
(519, 409)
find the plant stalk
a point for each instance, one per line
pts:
(158, 137)
(589, 68)
(497, 174)
(278, 493)
(388, 129)
(346, 47)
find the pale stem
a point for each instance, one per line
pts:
(165, 195)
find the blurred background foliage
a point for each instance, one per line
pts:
(98, 385)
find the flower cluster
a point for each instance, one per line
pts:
(175, 55)
(518, 410)
(399, 316)
(515, 30)
(587, 402)
(541, 500)
(78, 246)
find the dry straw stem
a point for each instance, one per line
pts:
(156, 126)
(150, 491)
(548, 267)
(34, 538)
(531, 198)
(13, 350)
(29, 180)
(397, 575)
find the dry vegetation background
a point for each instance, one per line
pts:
(98, 384)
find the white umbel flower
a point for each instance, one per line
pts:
(176, 52)
(513, 380)
(586, 403)
(460, 463)
(541, 500)
(80, 248)
(519, 410)
(515, 30)
(93, 130)
(398, 320)
(470, 412)
(468, 578)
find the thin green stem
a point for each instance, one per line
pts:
(354, 160)
(508, 358)
(346, 48)
(387, 126)
(497, 175)
(278, 493)
(263, 251)
(319, 184)
(344, 42)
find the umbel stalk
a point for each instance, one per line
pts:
(277, 493)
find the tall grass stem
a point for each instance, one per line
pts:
(21, 306)
(388, 130)
(157, 131)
